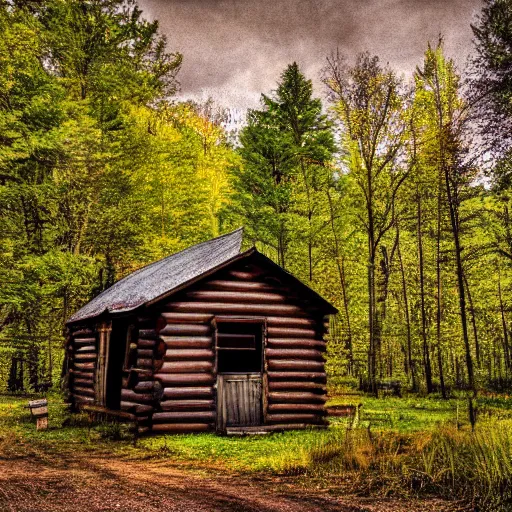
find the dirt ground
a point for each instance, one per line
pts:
(99, 482)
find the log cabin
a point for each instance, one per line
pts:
(212, 338)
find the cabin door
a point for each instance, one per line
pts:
(239, 374)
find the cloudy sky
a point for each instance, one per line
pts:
(236, 49)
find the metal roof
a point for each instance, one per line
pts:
(164, 277)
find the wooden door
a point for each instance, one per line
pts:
(238, 400)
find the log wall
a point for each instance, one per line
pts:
(293, 375)
(172, 388)
(82, 353)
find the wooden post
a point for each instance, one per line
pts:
(102, 363)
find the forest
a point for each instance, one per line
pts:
(387, 194)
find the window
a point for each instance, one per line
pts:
(239, 347)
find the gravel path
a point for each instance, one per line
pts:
(100, 483)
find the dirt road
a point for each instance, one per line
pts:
(100, 483)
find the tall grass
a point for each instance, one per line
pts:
(473, 466)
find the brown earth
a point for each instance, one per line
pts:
(103, 483)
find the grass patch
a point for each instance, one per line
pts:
(402, 446)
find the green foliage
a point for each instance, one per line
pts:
(100, 173)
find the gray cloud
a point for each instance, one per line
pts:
(236, 49)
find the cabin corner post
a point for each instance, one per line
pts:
(104, 329)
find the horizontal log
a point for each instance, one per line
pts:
(184, 329)
(128, 395)
(290, 332)
(222, 307)
(84, 366)
(187, 317)
(186, 367)
(294, 418)
(144, 363)
(290, 321)
(187, 341)
(182, 379)
(87, 333)
(299, 376)
(187, 405)
(298, 408)
(145, 352)
(295, 385)
(83, 391)
(177, 393)
(136, 408)
(296, 343)
(181, 428)
(295, 365)
(245, 275)
(185, 354)
(145, 386)
(87, 356)
(85, 348)
(239, 285)
(84, 341)
(148, 334)
(183, 417)
(82, 374)
(286, 353)
(128, 406)
(79, 398)
(84, 383)
(145, 343)
(143, 409)
(295, 397)
(237, 297)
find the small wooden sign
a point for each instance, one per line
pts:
(39, 410)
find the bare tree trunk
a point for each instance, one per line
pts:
(506, 349)
(426, 350)
(343, 283)
(438, 298)
(473, 320)
(410, 363)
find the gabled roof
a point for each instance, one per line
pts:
(164, 277)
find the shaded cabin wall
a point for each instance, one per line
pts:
(82, 354)
(294, 375)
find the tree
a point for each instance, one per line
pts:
(369, 105)
(284, 148)
(492, 77)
